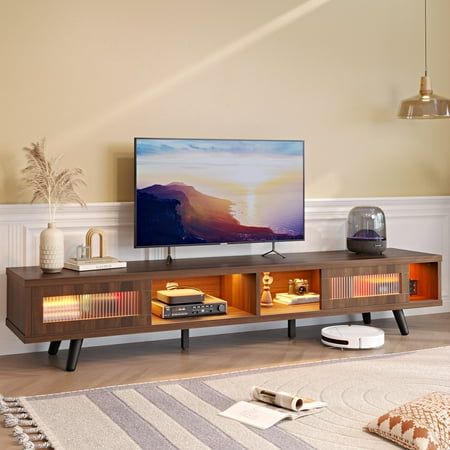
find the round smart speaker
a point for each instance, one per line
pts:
(366, 230)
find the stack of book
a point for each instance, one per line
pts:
(97, 263)
(295, 299)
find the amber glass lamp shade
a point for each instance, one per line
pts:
(426, 105)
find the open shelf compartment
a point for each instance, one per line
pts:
(280, 285)
(424, 281)
(239, 291)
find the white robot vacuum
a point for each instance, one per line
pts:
(352, 336)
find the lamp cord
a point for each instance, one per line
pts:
(426, 58)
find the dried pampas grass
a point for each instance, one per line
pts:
(48, 183)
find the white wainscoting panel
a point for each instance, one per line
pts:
(414, 223)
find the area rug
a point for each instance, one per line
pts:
(183, 414)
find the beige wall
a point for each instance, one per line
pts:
(92, 74)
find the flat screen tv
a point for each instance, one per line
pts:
(214, 191)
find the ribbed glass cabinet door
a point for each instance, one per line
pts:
(365, 286)
(101, 305)
(90, 306)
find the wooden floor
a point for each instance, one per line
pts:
(39, 373)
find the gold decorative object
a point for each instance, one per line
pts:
(85, 259)
(88, 242)
(266, 296)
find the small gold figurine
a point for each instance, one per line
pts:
(266, 296)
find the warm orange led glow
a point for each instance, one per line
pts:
(90, 306)
(236, 278)
(365, 285)
(383, 278)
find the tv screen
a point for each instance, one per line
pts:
(212, 191)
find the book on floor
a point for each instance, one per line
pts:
(267, 407)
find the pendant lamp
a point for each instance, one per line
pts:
(426, 105)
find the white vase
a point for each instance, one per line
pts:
(51, 249)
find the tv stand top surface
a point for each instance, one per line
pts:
(226, 265)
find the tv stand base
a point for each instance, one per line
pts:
(401, 321)
(185, 339)
(76, 305)
(291, 328)
(399, 318)
(367, 318)
(54, 347)
(74, 353)
(273, 251)
(169, 258)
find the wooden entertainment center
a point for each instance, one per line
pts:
(75, 305)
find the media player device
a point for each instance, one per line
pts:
(180, 296)
(352, 336)
(210, 306)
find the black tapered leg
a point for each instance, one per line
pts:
(401, 321)
(54, 347)
(74, 353)
(291, 328)
(367, 318)
(185, 339)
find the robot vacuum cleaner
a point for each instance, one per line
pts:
(352, 336)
